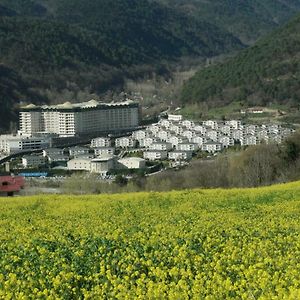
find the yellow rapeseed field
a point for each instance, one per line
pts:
(192, 244)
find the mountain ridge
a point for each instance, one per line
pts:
(268, 72)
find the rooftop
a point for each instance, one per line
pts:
(68, 105)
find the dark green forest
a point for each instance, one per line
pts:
(93, 45)
(53, 48)
(246, 19)
(268, 72)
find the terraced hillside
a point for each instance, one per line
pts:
(193, 244)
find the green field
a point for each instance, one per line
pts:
(192, 244)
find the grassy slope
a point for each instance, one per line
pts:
(224, 243)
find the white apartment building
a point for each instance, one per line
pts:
(53, 151)
(146, 142)
(226, 141)
(125, 142)
(176, 118)
(212, 147)
(103, 165)
(187, 147)
(177, 139)
(80, 118)
(180, 155)
(199, 140)
(101, 142)
(155, 154)
(189, 134)
(235, 124)
(17, 143)
(212, 134)
(188, 124)
(79, 164)
(100, 151)
(132, 163)
(77, 150)
(140, 134)
(249, 140)
(211, 123)
(163, 134)
(201, 129)
(165, 123)
(161, 146)
(178, 129)
(225, 129)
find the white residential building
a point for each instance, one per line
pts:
(154, 128)
(103, 165)
(73, 151)
(188, 124)
(237, 134)
(248, 140)
(262, 134)
(212, 134)
(176, 128)
(80, 118)
(161, 146)
(100, 151)
(199, 140)
(58, 158)
(180, 155)
(226, 141)
(201, 129)
(250, 129)
(235, 124)
(79, 164)
(187, 147)
(140, 134)
(125, 142)
(17, 143)
(211, 123)
(101, 142)
(146, 142)
(163, 135)
(189, 134)
(212, 147)
(177, 139)
(225, 129)
(132, 163)
(165, 123)
(274, 128)
(175, 118)
(155, 155)
(53, 151)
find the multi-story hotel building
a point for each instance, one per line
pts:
(80, 118)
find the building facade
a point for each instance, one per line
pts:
(11, 144)
(80, 118)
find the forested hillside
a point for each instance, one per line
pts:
(72, 49)
(74, 46)
(265, 73)
(247, 19)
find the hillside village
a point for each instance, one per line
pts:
(173, 140)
